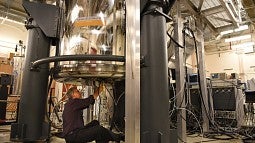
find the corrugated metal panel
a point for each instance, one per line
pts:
(216, 22)
(207, 3)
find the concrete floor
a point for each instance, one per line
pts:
(5, 138)
(198, 139)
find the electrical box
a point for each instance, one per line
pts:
(224, 98)
(5, 79)
(234, 76)
(5, 68)
(193, 79)
(217, 76)
(249, 96)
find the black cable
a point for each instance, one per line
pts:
(170, 39)
(48, 91)
(108, 90)
(185, 85)
(200, 90)
(199, 81)
(174, 40)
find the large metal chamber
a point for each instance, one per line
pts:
(93, 28)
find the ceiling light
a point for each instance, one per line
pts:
(243, 37)
(226, 32)
(243, 45)
(7, 44)
(240, 28)
(13, 21)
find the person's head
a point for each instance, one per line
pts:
(73, 93)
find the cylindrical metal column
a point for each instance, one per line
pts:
(32, 107)
(154, 80)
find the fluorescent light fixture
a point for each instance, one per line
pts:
(7, 44)
(226, 32)
(243, 45)
(249, 49)
(240, 28)
(243, 37)
(13, 21)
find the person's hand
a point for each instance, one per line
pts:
(98, 91)
(101, 88)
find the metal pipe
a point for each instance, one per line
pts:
(77, 58)
(154, 82)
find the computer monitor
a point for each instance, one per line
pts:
(193, 78)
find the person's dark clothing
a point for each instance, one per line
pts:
(73, 115)
(73, 125)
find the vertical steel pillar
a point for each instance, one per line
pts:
(180, 77)
(44, 28)
(132, 86)
(32, 108)
(155, 126)
(202, 77)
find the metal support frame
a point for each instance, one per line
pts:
(202, 74)
(229, 12)
(201, 2)
(192, 8)
(180, 77)
(132, 89)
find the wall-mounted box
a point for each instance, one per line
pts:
(7, 69)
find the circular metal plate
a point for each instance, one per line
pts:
(78, 72)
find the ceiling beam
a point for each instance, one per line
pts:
(192, 8)
(226, 27)
(16, 5)
(200, 5)
(229, 12)
(210, 26)
(213, 10)
(221, 19)
(13, 10)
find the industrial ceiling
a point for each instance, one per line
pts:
(217, 15)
